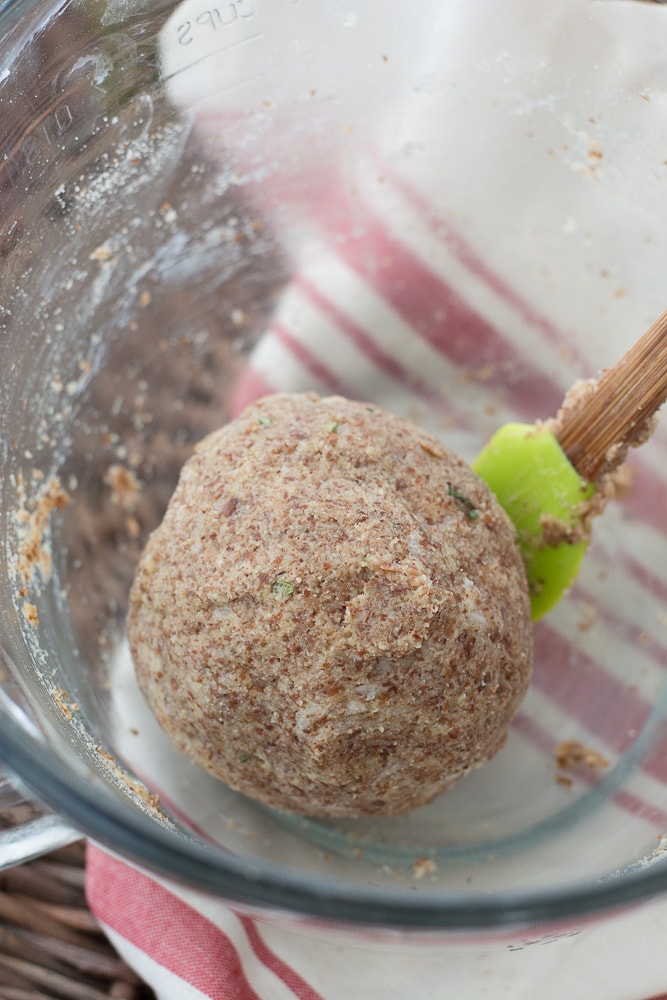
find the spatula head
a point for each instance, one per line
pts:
(543, 494)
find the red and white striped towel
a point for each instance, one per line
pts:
(416, 283)
(189, 947)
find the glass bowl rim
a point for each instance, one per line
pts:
(271, 887)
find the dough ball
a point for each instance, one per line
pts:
(333, 617)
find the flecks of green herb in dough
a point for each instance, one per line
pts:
(470, 508)
(283, 589)
(333, 426)
(245, 758)
(264, 421)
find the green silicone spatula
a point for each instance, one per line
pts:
(547, 476)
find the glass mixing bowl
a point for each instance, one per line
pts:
(454, 210)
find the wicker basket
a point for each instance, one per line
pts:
(50, 945)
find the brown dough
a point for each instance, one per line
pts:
(333, 617)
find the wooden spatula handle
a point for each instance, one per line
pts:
(616, 413)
